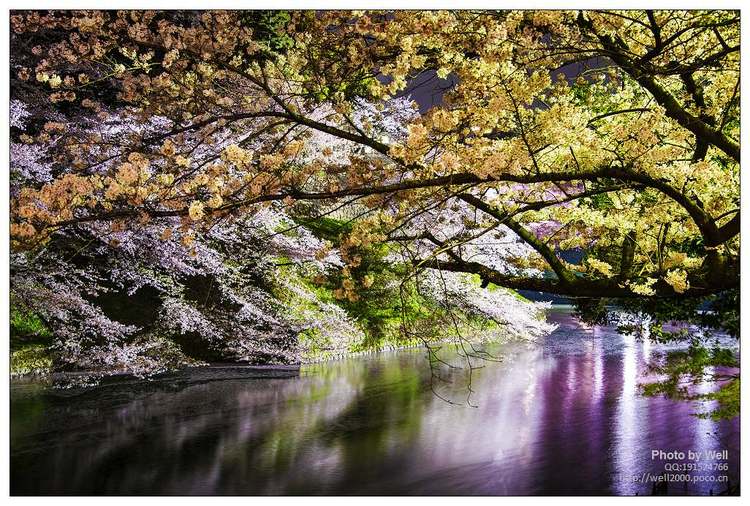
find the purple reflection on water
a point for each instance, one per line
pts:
(560, 417)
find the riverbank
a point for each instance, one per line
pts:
(78, 381)
(216, 371)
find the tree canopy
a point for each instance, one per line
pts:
(613, 132)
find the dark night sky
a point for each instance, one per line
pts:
(427, 89)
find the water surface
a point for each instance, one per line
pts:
(560, 417)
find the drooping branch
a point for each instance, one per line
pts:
(581, 288)
(711, 233)
(564, 275)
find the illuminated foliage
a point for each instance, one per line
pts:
(621, 128)
(615, 134)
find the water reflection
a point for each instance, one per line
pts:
(562, 417)
(631, 422)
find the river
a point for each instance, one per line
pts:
(562, 416)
